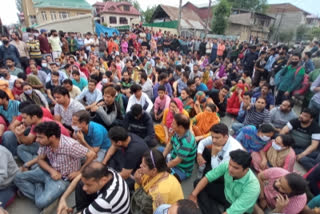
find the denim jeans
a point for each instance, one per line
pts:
(309, 161)
(7, 195)
(37, 185)
(27, 152)
(315, 107)
(9, 140)
(236, 127)
(100, 155)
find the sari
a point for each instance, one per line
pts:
(204, 122)
(233, 103)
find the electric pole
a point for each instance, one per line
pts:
(207, 22)
(179, 19)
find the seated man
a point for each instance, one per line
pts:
(237, 192)
(74, 91)
(256, 114)
(65, 106)
(125, 153)
(222, 144)
(90, 134)
(246, 101)
(265, 93)
(282, 114)
(31, 115)
(78, 81)
(100, 190)
(138, 97)
(51, 85)
(140, 123)
(183, 206)
(8, 108)
(200, 85)
(182, 150)
(46, 183)
(306, 134)
(91, 95)
(108, 111)
(219, 97)
(8, 170)
(282, 191)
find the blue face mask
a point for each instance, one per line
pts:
(265, 138)
(28, 92)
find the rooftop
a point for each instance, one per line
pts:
(285, 7)
(115, 7)
(69, 4)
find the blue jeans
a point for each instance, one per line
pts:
(309, 161)
(315, 107)
(37, 185)
(28, 152)
(9, 140)
(100, 155)
(175, 170)
(236, 127)
(7, 195)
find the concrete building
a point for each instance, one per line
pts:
(38, 12)
(243, 23)
(116, 14)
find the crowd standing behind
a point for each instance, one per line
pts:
(123, 119)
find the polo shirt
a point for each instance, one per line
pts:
(89, 96)
(81, 84)
(11, 111)
(97, 136)
(241, 193)
(184, 147)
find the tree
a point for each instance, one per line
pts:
(286, 36)
(301, 32)
(254, 5)
(220, 17)
(315, 32)
(147, 14)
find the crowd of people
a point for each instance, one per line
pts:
(124, 119)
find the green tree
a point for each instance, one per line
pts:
(315, 32)
(255, 5)
(220, 18)
(286, 36)
(147, 14)
(302, 32)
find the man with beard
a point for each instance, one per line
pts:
(13, 70)
(232, 184)
(163, 80)
(22, 49)
(306, 133)
(8, 51)
(282, 114)
(281, 191)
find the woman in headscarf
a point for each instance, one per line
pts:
(234, 102)
(187, 101)
(164, 131)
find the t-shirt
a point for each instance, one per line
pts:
(134, 152)
(45, 111)
(11, 111)
(64, 131)
(303, 136)
(81, 84)
(97, 136)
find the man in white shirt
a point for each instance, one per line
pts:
(221, 145)
(55, 43)
(5, 75)
(138, 97)
(88, 41)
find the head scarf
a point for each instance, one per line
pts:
(170, 115)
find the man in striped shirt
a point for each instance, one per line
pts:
(101, 190)
(182, 148)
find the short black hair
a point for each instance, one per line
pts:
(309, 111)
(190, 82)
(144, 76)
(3, 95)
(163, 76)
(309, 54)
(241, 157)
(61, 90)
(24, 104)
(287, 140)
(67, 81)
(162, 88)
(297, 54)
(182, 120)
(155, 159)
(118, 133)
(297, 184)
(220, 128)
(212, 106)
(135, 87)
(55, 73)
(136, 110)
(186, 206)
(95, 170)
(48, 129)
(83, 116)
(266, 128)
(290, 101)
(76, 72)
(247, 93)
(33, 110)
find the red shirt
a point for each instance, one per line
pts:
(64, 131)
(44, 44)
(46, 113)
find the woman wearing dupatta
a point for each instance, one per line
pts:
(187, 101)
(234, 102)
(156, 181)
(278, 153)
(164, 131)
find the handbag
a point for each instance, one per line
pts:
(141, 202)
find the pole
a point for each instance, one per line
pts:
(179, 19)
(207, 22)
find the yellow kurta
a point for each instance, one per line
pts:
(164, 188)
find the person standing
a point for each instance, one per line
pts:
(22, 49)
(44, 43)
(55, 43)
(8, 51)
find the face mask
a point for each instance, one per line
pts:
(44, 65)
(5, 42)
(28, 91)
(295, 63)
(276, 146)
(76, 128)
(104, 81)
(265, 138)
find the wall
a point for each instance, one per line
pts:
(105, 16)
(57, 11)
(82, 24)
(290, 21)
(28, 11)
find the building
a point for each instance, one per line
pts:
(244, 23)
(38, 12)
(191, 23)
(116, 14)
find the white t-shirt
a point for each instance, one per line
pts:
(88, 41)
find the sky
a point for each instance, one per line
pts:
(8, 10)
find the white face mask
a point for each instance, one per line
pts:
(265, 138)
(28, 91)
(76, 128)
(276, 146)
(44, 65)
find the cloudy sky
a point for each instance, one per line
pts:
(8, 11)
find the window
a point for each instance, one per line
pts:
(102, 20)
(123, 20)
(44, 15)
(113, 20)
(53, 15)
(63, 15)
(126, 7)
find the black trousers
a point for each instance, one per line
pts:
(212, 196)
(83, 200)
